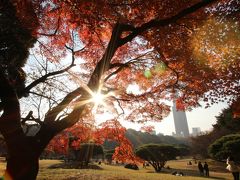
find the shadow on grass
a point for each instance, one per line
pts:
(74, 165)
(186, 172)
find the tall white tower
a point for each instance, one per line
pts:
(180, 122)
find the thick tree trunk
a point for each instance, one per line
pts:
(24, 153)
(21, 167)
(22, 159)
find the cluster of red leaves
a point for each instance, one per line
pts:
(180, 104)
(59, 144)
(148, 129)
(110, 130)
(70, 138)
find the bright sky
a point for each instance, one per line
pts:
(199, 117)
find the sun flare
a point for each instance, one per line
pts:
(98, 98)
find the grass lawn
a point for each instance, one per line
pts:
(113, 172)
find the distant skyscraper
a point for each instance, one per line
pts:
(180, 122)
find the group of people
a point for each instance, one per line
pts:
(203, 169)
(231, 166)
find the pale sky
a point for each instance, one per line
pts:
(199, 117)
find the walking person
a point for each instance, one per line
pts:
(206, 169)
(232, 167)
(200, 168)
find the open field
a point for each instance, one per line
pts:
(113, 172)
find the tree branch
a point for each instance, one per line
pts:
(46, 76)
(30, 117)
(163, 22)
(53, 113)
(120, 65)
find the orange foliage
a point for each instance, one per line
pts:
(154, 53)
(138, 52)
(110, 130)
(180, 105)
(177, 45)
(148, 129)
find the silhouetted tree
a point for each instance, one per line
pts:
(157, 154)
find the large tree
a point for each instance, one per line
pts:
(162, 48)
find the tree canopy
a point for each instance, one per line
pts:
(227, 121)
(157, 154)
(130, 54)
(225, 146)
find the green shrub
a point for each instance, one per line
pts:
(225, 146)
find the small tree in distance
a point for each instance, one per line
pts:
(157, 154)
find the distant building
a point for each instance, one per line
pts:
(196, 131)
(180, 122)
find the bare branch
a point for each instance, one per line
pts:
(120, 65)
(30, 117)
(41, 95)
(46, 76)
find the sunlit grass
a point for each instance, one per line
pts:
(114, 172)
